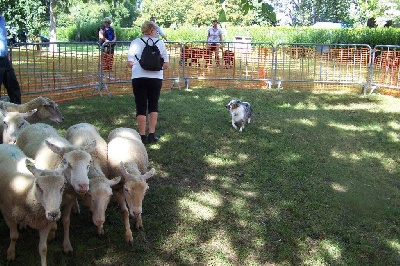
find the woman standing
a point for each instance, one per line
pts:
(107, 37)
(146, 84)
(214, 38)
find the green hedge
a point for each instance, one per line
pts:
(274, 35)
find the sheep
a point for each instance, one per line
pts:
(100, 192)
(36, 110)
(98, 196)
(127, 157)
(129, 141)
(82, 133)
(30, 196)
(42, 143)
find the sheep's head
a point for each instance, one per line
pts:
(13, 124)
(49, 188)
(49, 110)
(98, 197)
(135, 187)
(77, 162)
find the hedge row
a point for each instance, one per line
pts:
(273, 35)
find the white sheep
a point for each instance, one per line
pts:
(127, 157)
(42, 143)
(31, 197)
(98, 196)
(83, 133)
(34, 111)
(100, 192)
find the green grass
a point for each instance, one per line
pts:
(314, 180)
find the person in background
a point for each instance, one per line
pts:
(107, 38)
(7, 74)
(146, 84)
(159, 30)
(214, 38)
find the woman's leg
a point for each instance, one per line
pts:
(140, 93)
(141, 121)
(153, 116)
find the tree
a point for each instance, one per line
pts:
(30, 15)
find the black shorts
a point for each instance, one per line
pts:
(147, 93)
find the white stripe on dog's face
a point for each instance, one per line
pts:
(233, 104)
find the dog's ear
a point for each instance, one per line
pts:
(238, 102)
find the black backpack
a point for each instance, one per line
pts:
(151, 57)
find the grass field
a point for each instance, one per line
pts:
(314, 180)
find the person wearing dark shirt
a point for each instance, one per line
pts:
(107, 38)
(7, 74)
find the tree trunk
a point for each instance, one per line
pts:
(53, 26)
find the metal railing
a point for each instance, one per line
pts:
(72, 69)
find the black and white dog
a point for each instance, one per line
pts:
(241, 112)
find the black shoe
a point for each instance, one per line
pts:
(152, 138)
(144, 139)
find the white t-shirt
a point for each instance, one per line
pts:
(136, 48)
(214, 35)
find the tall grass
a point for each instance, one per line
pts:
(314, 180)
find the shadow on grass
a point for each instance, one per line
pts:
(313, 180)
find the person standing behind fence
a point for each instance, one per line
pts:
(7, 74)
(214, 38)
(159, 30)
(107, 38)
(146, 84)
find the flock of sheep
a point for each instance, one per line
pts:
(42, 174)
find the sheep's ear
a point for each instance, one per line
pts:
(28, 114)
(114, 181)
(90, 147)
(62, 167)
(46, 101)
(60, 151)
(122, 167)
(149, 174)
(124, 173)
(31, 167)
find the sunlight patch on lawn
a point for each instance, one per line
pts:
(307, 122)
(394, 125)
(338, 187)
(354, 128)
(320, 252)
(393, 136)
(217, 98)
(291, 157)
(202, 205)
(221, 248)
(388, 163)
(395, 245)
(305, 106)
(223, 160)
(270, 129)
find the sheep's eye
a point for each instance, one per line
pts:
(20, 126)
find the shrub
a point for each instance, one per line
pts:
(274, 35)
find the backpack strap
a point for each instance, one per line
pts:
(144, 43)
(147, 43)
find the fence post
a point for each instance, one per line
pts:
(99, 87)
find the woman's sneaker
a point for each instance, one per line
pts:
(152, 138)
